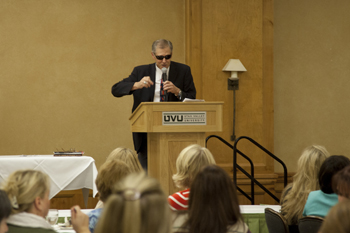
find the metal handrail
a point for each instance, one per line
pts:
(239, 167)
(251, 175)
(266, 151)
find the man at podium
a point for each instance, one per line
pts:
(163, 80)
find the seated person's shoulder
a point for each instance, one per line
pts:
(240, 226)
(94, 215)
(179, 200)
(314, 194)
(179, 219)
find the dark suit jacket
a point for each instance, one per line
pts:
(179, 74)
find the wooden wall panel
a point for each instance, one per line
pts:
(267, 87)
(216, 32)
(194, 42)
(67, 199)
(242, 30)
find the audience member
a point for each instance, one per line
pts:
(213, 205)
(110, 173)
(28, 191)
(136, 205)
(305, 180)
(188, 164)
(341, 184)
(80, 221)
(319, 202)
(337, 219)
(5, 211)
(129, 157)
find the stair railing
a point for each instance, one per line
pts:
(251, 175)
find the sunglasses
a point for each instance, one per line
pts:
(162, 57)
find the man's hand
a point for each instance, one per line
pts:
(145, 82)
(170, 87)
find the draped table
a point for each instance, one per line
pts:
(65, 172)
(254, 216)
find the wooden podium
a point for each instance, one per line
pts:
(170, 127)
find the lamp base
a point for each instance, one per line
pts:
(232, 84)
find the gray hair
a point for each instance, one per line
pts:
(162, 44)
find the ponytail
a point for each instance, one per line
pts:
(24, 186)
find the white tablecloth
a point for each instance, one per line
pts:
(245, 210)
(66, 172)
(257, 209)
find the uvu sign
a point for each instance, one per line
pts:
(184, 118)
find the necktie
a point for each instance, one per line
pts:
(162, 94)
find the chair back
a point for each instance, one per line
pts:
(275, 221)
(310, 224)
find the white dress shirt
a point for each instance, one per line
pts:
(157, 84)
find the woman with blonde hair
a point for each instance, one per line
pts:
(28, 191)
(109, 174)
(128, 156)
(189, 162)
(305, 180)
(136, 205)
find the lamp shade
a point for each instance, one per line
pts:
(234, 65)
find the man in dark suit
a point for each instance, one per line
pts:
(145, 83)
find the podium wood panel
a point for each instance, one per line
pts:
(163, 150)
(147, 117)
(165, 142)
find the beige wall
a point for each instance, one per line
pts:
(311, 77)
(59, 60)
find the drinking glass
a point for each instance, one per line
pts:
(52, 216)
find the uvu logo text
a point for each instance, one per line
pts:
(173, 118)
(184, 118)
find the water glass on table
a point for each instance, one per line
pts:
(52, 216)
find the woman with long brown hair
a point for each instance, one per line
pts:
(213, 205)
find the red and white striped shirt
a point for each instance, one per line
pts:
(179, 200)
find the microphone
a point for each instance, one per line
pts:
(165, 78)
(164, 75)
